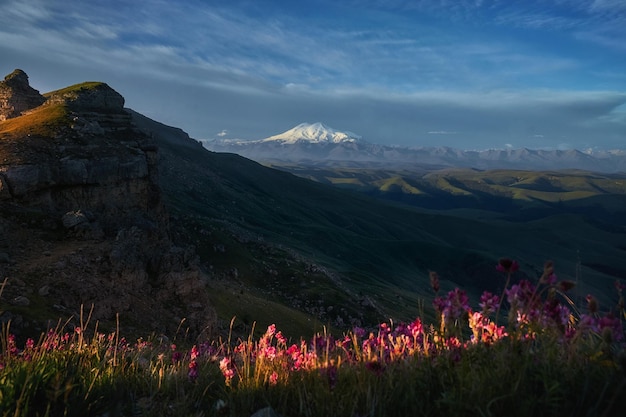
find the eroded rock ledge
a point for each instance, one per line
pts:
(81, 214)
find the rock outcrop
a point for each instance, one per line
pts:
(82, 216)
(98, 162)
(17, 96)
(89, 96)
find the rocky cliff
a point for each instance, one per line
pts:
(17, 96)
(81, 216)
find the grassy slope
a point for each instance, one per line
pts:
(381, 251)
(43, 121)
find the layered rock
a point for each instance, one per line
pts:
(99, 163)
(92, 184)
(17, 96)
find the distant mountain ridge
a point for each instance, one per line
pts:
(322, 144)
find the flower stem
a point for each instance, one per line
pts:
(506, 285)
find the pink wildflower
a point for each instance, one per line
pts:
(240, 348)
(274, 378)
(193, 371)
(492, 333)
(454, 305)
(269, 353)
(30, 344)
(141, 344)
(488, 302)
(227, 371)
(280, 338)
(485, 330)
(359, 332)
(416, 328)
(11, 346)
(454, 345)
(588, 323)
(320, 342)
(439, 304)
(194, 352)
(293, 350)
(343, 343)
(298, 363)
(51, 342)
(520, 294)
(557, 312)
(507, 265)
(611, 328)
(477, 322)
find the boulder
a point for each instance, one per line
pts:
(20, 300)
(74, 218)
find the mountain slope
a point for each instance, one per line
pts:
(377, 255)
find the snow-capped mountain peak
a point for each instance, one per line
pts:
(314, 133)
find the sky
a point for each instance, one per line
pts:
(470, 74)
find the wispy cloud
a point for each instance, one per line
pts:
(399, 70)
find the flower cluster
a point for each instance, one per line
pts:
(531, 311)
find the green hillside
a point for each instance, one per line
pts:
(512, 194)
(339, 256)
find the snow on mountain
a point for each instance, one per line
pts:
(314, 133)
(322, 144)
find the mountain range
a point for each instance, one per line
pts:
(320, 145)
(101, 206)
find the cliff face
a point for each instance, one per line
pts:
(81, 215)
(17, 96)
(96, 161)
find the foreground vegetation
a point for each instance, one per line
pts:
(527, 351)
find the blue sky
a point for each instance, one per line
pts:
(470, 74)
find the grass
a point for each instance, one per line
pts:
(544, 186)
(528, 353)
(88, 85)
(44, 121)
